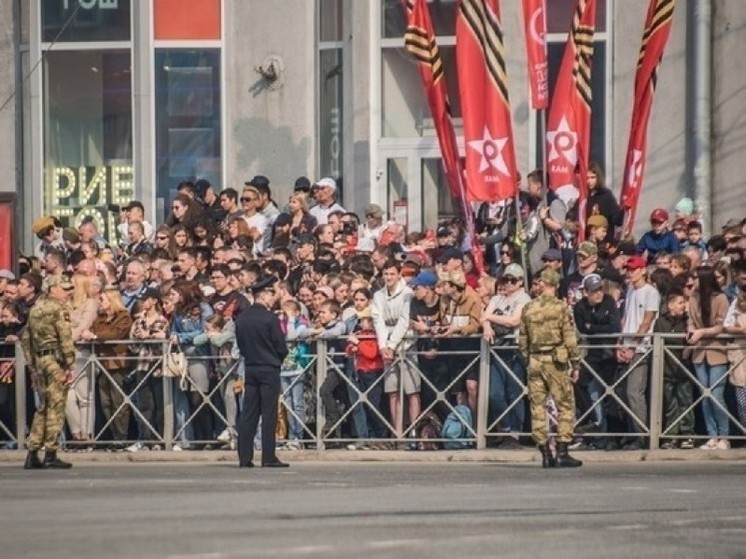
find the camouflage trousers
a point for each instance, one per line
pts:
(50, 416)
(545, 379)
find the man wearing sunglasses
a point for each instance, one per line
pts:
(571, 287)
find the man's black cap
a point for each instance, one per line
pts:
(283, 219)
(201, 187)
(258, 181)
(266, 282)
(302, 184)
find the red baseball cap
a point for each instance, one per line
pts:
(660, 215)
(636, 262)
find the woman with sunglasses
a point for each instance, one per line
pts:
(164, 240)
(708, 307)
(508, 255)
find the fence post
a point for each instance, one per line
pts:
(321, 371)
(483, 391)
(20, 382)
(168, 402)
(656, 391)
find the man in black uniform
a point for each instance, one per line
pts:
(263, 348)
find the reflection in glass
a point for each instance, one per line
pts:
(435, 187)
(560, 12)
(331, 115)
(187, 113)
(85, 20)
(330, 20)
(396, 181)
(87, 134)
(442, 12)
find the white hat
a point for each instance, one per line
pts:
(7, 274)
(328, 182)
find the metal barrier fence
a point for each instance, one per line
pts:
(326, 403)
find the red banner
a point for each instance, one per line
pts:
(535, 28)
(654, 38)
(569, 120)
(483, 85)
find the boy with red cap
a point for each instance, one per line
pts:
(659, 238)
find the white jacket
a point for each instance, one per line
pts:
(391, 315)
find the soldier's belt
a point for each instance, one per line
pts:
(45, 352)
(541, 351)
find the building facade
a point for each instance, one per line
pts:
(111, 100)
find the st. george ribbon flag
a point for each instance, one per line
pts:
(654, 38)
(535, 28)
(420, 42)
(569, 121)
(483, 87)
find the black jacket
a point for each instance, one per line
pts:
(602, 201)
(604, 318)
(259, 338)
(667, 324)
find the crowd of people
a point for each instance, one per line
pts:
(368, 286)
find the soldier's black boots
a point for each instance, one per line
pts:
(564, 460)
(51, 461)
(547, 458)
(32, 461)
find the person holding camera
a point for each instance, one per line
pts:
(508, 373)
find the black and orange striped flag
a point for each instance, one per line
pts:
(569, 121)
(483, 86)
(654, 38)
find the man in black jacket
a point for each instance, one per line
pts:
(596, 313)
(263, 348)
(601, 200)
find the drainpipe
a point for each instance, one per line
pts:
(702, 117)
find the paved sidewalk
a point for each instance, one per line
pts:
(494, 456)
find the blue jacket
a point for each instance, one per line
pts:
(654, 244)
(186, 328)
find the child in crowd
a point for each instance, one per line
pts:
(362, 345)
(598, 226)
(694, 239)
(330, 327)
(678, 390)
(220, 333)
(292, 380)
(659, 238)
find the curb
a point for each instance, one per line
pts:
(389, 456)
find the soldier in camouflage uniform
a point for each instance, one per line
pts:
(50, 354)
(547, 339)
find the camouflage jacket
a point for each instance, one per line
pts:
(546, 324)
(48, 328)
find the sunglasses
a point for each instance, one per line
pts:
(247, 199)
(161, 237)
(513, 281)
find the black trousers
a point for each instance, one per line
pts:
(261, 394)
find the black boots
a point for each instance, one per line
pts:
(564, 460)
(51, 461)
(32, 461)
(547, 459)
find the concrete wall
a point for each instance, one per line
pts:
(7, 85)
(271, 131)
(729, 111)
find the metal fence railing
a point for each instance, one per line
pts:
(326, 403)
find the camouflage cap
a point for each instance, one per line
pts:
(61, 280)
(588, 248)
(549, 276)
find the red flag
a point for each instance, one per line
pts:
(654, 38)
(483, 84)
(569, 121)
(535, 27)
(420, 42)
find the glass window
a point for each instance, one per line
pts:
(559, 15)
(330, 21)
(435, 187)
(442, 13)
(87, 135)
(331, 115)
(406, 112)
(187, 113)
(85, 20)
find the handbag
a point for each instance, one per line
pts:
(175, 362)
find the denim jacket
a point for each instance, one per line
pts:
(187, 327)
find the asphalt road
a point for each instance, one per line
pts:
(350, 510)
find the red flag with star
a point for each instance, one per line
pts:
(654, 38)
(483, 86)
(569, 120)
(535, 28)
